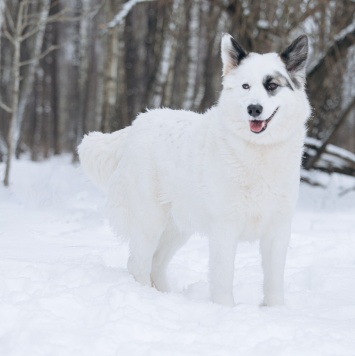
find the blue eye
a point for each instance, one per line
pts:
(246, 86)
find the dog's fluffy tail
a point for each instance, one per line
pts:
(100, 153)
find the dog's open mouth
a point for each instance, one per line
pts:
(258, 126)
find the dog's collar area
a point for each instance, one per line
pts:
(258, 126)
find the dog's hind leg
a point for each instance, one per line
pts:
(171, 240)
(141, 252)
(140, 260)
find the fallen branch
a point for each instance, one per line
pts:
(321, 149)
(333, 159)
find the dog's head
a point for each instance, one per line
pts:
(263, 95)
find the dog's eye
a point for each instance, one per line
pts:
(246, 86)
(271, 86)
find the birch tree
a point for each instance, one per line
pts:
(111, 71)
(160, 97)
(193, 49)
(15, 38)
(29, 22)
(2, 10)
(84, 24)
(122, 56)
(28, 81)
(114, 77)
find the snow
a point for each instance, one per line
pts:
(263, 24)
(64, 288)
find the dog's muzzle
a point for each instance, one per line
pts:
(258, 126)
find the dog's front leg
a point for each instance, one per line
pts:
(221, 269)
(273, 248)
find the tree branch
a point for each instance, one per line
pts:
(58, 17)
(42, 55)
(121, 15)
(8, 35)
(5, 107)
(314, 159)
(344, 40)
(9, 19)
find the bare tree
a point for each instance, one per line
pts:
(111, 70)
(32, 64)
(122, 56)
(30, 21)
(163, 86)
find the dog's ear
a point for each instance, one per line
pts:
(295, 55)
(232, 53)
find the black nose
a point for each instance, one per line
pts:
(254, 110)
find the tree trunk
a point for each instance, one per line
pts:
(13, 132)
(83, 75)
(162, 94)
(28, 81)
(110, 80)
(2, 10)
(39, 118)
(193, 57)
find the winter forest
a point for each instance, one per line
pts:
(73, 66)
(68, 67)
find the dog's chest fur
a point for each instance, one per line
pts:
(207, 183)
(252, 187)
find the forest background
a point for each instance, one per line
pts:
(72, 66)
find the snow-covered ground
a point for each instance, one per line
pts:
(64, 288)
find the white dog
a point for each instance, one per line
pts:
(231, 174)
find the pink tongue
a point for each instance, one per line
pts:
(256, 125)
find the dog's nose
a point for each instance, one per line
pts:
(254, 110)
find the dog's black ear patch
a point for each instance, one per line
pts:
(232, 53)
(295, 55)
(238, 53)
